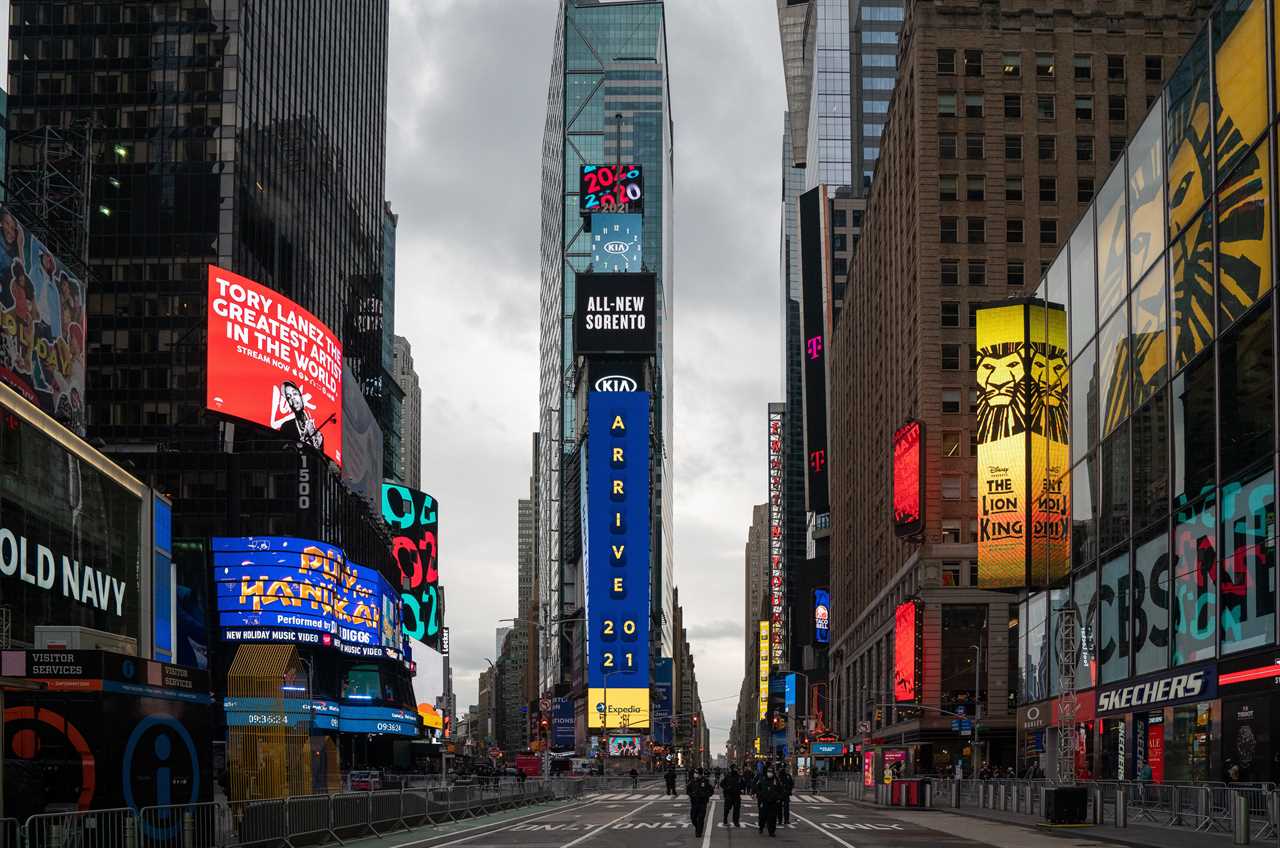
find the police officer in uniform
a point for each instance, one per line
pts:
(700, 791)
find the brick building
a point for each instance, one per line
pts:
(1004, 121)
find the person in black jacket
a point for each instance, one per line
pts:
(670, 776)
(786, 785)
(767, 796)
(731, 789)
(700, 792)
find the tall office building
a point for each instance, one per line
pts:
(391, 444)
(406, 377)
(608, 101)
(998, 135)
(207, 150)
(873, 68)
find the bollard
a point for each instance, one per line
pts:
(955, 794)
(188, 828)
(1240, 819)
(1097, 804)
(928, 794)
(1000, 804)
(130, 832)
(1122, 808)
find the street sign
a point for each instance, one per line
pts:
(962, 725)
(864, 727)
(545, 704)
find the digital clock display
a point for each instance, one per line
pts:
(611, 188)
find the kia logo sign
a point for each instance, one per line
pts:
(615, 247)
(616, 383)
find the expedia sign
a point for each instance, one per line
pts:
(1196, 683)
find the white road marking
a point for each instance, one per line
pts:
(711, 817)
(518, 821)
(825, 832)
(584, 837)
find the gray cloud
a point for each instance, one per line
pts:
(467, 97)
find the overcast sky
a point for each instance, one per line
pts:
(466, 106)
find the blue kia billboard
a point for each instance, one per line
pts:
(617, 548)
(282, 589)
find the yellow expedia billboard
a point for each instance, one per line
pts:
(1022, 435)
(764, 669)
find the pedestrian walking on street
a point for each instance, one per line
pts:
(671, 780)
(786, 785)
(635, 779)
(731, 790)
(700, 792)
(767, 797)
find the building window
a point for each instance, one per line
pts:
(1013, 188)
(973, 63)
(950, 231)
(977, 272)
(973, 363)
(1084, 107)
(951, 357)
(1048, 189)
(1013, 231)
(1047, 148)
(1155, 68)
(947, 186)
(975, 187)
(1082, 65)
(946, 147)
(1011, 64)
(951, 401)
(1048, 230)
(1013, 147)
(1115, 67)
(1084, 189)
(1046, 107)
(973, 319)
(1014, 273)
(950, 531)
(1115, 107)
(1084, 148)
(973, 405)
(950, 573)
(974, 147)
(1012, 106)
(973, 105)
(949, 272)
(1117, 143)
(1044, 65)
(951, 317)
(947, 104)
(976, 232)
(946, 62)
(952, 487)
(973, 451)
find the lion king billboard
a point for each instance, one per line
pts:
(1023, 444)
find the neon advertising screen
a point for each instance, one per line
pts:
(905, 647)
(813, 318)
(283, 589)
(617, 243)
(908, 479)
(777, 563)
(413, 518)
(273, 363)
(821, 616)
(611, 188)
(617, 559)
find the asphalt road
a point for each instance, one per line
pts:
(648, 819)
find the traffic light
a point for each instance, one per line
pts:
(879, 715)
(695, 721)
(544, 724)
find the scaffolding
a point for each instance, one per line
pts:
(50, 171)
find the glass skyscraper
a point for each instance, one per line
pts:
(608, 101)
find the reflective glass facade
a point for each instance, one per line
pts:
(1173, 373)
(609, 60)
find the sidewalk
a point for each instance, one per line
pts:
(1017, 830)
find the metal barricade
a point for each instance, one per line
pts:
(385, 808)
(309, 815)
(415, 808)
(114, 828)
(199, 825)
(260, 822)
(349, 813)
(10, 832)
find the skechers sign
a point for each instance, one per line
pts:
(1189, 684)
(617, 562)
(615, 313)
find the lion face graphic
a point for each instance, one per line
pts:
(1002, 396)
(1048, 386)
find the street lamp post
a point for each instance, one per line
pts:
(977, 702)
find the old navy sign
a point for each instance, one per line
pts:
(1198, 683)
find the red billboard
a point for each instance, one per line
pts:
(273, 363)
(908, 479)
(904, 652)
